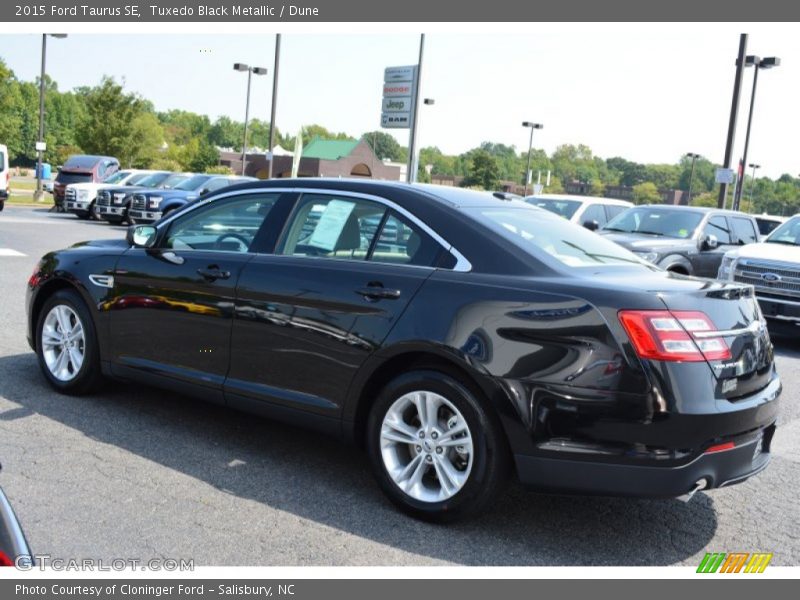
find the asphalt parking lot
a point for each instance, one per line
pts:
(139, 473)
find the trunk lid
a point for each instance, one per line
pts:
(734, 312)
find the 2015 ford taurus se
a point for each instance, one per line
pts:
(457, 337)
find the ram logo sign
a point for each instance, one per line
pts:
(734, 562)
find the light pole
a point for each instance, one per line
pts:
(530, 147)
(415, 158)
(250, 70)
(40, 142)
(758, 63)
(694, 156)
(411, 172)
(753, 182)
(274, 103)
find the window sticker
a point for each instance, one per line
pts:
(331, 224)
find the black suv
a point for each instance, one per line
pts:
(684, 239)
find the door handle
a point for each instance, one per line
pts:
(378, 293)
(213, 273)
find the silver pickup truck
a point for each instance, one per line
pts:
(773, 269)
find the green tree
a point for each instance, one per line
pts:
(226, 133)
(385, 146)
(646, 193)
(483, 171)
(144, 143)
(109, 114)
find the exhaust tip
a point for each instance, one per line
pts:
(700, 484)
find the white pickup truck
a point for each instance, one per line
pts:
(773, 269)
(80, 198)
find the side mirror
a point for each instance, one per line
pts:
(141, 236)
(591, 225)
(709, 242)
(204, 191)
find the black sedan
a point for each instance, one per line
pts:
(457, 337)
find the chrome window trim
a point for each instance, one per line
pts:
(462, 264)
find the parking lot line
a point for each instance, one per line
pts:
(10, 252)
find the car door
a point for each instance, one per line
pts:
(172, 309)
(308, 315)
(709, 256)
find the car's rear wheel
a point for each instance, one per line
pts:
(67, 344)
(434, 448)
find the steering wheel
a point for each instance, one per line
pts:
(236, 236)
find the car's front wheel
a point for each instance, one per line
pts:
(435, 449)
(67, 344)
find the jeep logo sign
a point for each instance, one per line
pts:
(397, 105)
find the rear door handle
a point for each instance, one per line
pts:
(213, 273)
(378, 293)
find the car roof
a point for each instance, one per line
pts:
(453, 197)
(584, 199)
(697, 209)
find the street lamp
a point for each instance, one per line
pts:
(758, 63)
(694, 156)
(40, 143)
(250, 70)
(753, 182)
(530, 146)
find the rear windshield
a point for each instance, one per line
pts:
(656, 221)
(765, 226)
(538, 232)
(2, 162)
(67, 178)
(560, 207)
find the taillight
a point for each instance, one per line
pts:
(5, 560)
(666, 335)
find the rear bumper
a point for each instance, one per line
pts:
(750, 456)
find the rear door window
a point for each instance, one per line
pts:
(401, 242)
(744, 230)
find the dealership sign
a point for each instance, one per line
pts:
(399, 91)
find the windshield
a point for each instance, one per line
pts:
(117, 177)
(538, 232)
(193, 183)
(561, 207)
(656, 221)
(152, 180)
(137, 178)
(788, 233)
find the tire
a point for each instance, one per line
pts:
(93, 216)
(64, 310)
(481, 469)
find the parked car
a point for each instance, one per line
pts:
(589, 211)
(5, 176)
(682, 239)
(14, 549)
(114, 202)
(773, 269)
(82, 168)
(81, 198)
(489, 333)
(767, 224)
(148, 206)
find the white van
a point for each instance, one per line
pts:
(5, 176)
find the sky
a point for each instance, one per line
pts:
(646, 92)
